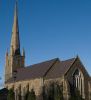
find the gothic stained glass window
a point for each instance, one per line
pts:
(78, 82)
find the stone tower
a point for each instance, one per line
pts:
(14, 59)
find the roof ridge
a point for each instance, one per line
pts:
(43, 62)
(71, 64)
(69, 59)
(50, 67)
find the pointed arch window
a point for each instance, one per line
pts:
(78, 81)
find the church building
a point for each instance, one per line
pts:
(69, 73)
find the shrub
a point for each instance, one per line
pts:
(31, 95)
(11, 95)
(53, 92)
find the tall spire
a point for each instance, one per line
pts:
(15, 59)
(15, 41)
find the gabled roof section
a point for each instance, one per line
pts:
(78, 64)
(60, 68)
(48, 70)
(34, 71)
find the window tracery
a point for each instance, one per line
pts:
(78, 81)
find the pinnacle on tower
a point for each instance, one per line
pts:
(23, 52)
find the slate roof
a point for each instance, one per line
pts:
(49, 69)
(60, 68)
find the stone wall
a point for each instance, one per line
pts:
(61, 81)
(89, 85)
(22, 86)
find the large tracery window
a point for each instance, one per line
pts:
(78, 81)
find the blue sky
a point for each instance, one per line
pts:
(48, 29)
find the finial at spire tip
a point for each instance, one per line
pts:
(16, 1)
